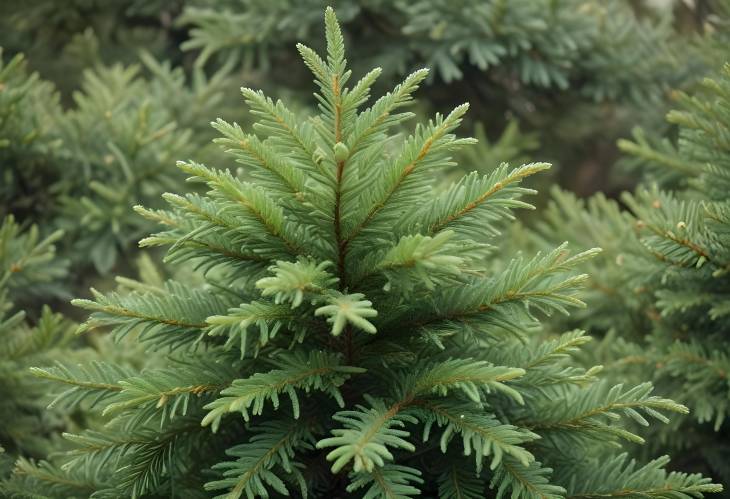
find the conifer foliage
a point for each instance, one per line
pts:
(81, 169)
(662, 293)
(29, 111)
(353, 337)
(27, 265)
(539, 43)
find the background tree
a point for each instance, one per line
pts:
(660, 291)
(27, 265)
(81, 169)
(580, 73)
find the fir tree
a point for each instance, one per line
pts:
(29, 112)
(83, 168)
(61, 39)
(31, 335)
(27, 264)
(352, 337)
(120, 141)
(660, 292)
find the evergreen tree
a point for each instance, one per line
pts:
(26, 264)
(82, 169)
(660, 293)
(352, 336)
(32, 335)
(29, 112)
(62, 38)
(120, 138)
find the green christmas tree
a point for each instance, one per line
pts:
(660, 292)
(353, 336)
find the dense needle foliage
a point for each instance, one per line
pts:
(660, 292)
(356, 333)
(27, 265)
(81, 169)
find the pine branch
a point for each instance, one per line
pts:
(544, 282)
(391, 481)
(260, 462)
(466, 204)
(292, 280)
(531, 481)
(419, 153)
(472, 377)
(618, 477)
(43, 480)
(284, 130)
(167, 390)
(52, 332)
(369, 431)
(172, 318)
(481, 432)
(258, 206)
(459, 483)
(342, 310)
(270, 168)
(141, 457)
(219, 232)
(375, 121)
(25, 259)
(269, 318)
(304, 372)
(366, 436)
(418, 260)
(592, 411)
(96, 381)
